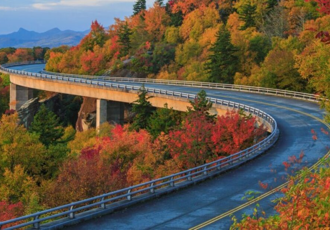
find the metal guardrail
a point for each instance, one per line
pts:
(23, 63)
(180, 179)
(243, 88)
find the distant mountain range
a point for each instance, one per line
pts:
(51, 38)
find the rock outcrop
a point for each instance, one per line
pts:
(87, 114)
(27, 111)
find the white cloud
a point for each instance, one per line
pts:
(75, 3)
(5, 8)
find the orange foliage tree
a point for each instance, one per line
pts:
(190, 145)
(87, 176)
(156, 19)
(234, 132)
(21, 55)
(305, 204)
(200, 140)
(10, 211)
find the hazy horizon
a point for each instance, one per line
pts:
(77, 15)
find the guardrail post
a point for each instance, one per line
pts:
(172, 182)
(71, 215)
(205, 170)
(103, 204)
(218, 165)
(189, 177)
(35, 225)
(152, 189)
(129, 197)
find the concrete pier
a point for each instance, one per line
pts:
(19, 95)
(109, 111)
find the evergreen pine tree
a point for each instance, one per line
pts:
(201, 104)
(139, 6)
(163, 120)
(247, 13)
(142, 109)
(222, 64)
(159, 2)
(124, 39)
(46, 124)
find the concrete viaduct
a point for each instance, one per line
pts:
(109, 101)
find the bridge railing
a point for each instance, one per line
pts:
(243, 88)
(233, 87)
(23, 63)
(158, 186)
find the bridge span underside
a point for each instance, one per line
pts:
(189, 207)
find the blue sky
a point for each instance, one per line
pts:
(42, 15)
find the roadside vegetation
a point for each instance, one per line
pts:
(48, 165)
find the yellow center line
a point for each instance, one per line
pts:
(264, 195)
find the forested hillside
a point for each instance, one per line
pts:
(11, 54)
(269, 43)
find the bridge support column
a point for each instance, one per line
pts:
(101, 112)
(112, 111)
(19, 95)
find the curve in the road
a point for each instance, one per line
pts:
(264, 195)
(223, 193)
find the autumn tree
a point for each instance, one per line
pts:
(3, 58)
(131, 152)
(92, 62)
(176, 17)
(4, 93)
(275, 23)
(20, 55)
(39, 53)
(189, 145)
(83, 178)
(222, 63)
(10, 211)
(312, 64)
(8, 50)
(303, 204)
(97, 36)
(46, 125)
(156, 21)
(234, 132)
(61, 49)
(17, 186)
(187, 6)
(19, 147)
(142, 61)
(197, 21)
(280, 64)
(324, 6)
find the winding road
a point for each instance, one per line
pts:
(205, 202)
